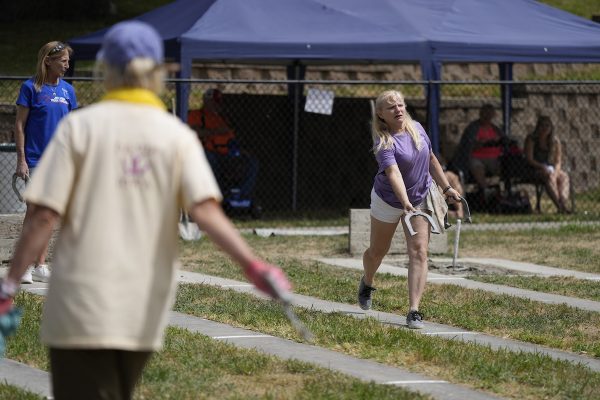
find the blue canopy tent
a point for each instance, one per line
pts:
(430, 32)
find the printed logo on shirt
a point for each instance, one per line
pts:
(58, 99)
(135, 163)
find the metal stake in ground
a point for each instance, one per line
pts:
(467, 212)
(456, 240)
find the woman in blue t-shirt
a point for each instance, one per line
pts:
(43, 100)
(403, 184)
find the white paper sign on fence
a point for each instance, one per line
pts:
(319, 101)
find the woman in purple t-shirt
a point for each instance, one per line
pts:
(403, 184)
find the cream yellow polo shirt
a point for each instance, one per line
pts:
(118, 172)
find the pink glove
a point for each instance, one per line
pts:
(8, 290)
(5, 305)
(268, 279)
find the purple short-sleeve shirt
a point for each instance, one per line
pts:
(413, 165)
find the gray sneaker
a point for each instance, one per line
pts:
(364, 295)
(414, 320)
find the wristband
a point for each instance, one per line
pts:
(446, 189)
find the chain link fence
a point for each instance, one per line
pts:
(312, 144)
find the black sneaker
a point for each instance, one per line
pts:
(364, 294)
(414, 320)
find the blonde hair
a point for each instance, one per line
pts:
(382, 136)
(54, 49)
(138, 73)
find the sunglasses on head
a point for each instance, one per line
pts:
(59, 47)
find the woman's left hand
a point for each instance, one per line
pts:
(452, 196)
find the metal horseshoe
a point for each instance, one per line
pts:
(16, 189)
(467, 212)
(466, 209)
(409, 215)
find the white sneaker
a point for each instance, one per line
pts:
(41, 273)
(27, 276)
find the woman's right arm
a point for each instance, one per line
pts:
(21, 119)
(395, 177)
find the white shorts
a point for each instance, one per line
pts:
(382, 211)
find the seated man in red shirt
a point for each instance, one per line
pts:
(480, 147)
(220, 145)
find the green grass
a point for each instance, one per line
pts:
(8, 392)
(511, 375)
(21, 40)
(583, 8)
(565, 286)
(557, 326)
(194, 366)
(25, 346)
(570, 247)
(191, 364)
(515, 375)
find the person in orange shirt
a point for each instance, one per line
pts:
(211, 125)
(220, 144)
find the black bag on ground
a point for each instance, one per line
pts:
(515, 202)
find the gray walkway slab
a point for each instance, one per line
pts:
(583, 304)
(317, 231)
(431, 329)
(286, 349)
(31, 379)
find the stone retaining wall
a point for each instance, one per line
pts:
(390, 72)
(571, 107)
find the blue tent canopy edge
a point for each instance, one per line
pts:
(426, 32)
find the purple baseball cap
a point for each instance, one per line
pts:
(128, 40)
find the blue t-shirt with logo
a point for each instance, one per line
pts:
(46, 108)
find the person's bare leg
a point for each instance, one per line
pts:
(417, 247)
(380, 242)
(562, 186)
(551, 189)
(42, 257)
